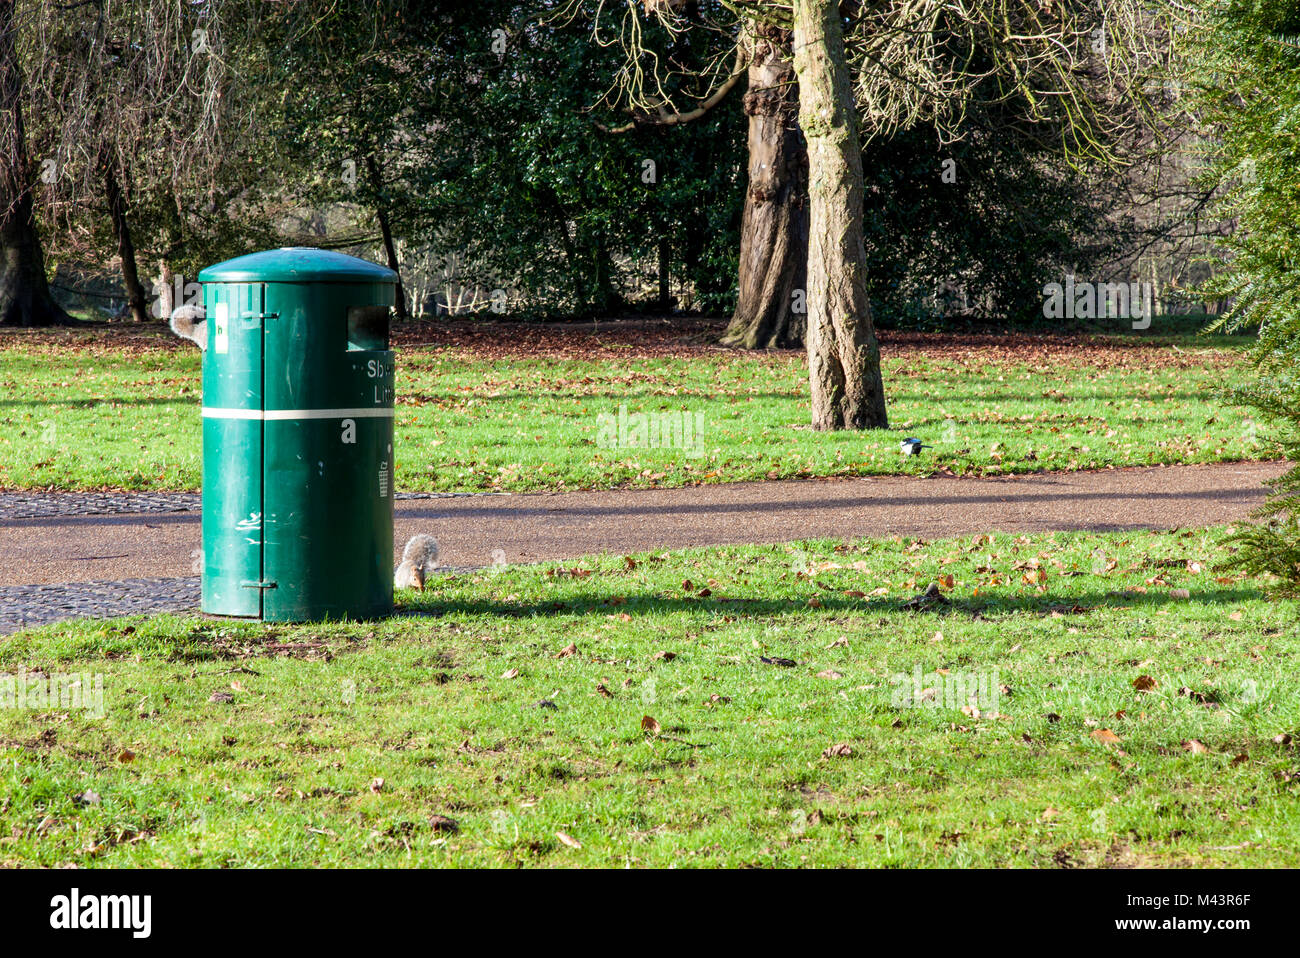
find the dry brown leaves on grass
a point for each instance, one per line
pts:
(670, 337)
(687, 337)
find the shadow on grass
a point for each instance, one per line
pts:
(83, 402)
(1063, 407)
(655, 399)
(973, 609)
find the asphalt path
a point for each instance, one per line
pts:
(69, 548)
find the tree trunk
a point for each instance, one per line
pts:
(166, 290)
(665, 301)
(25, 298)
(390, 249)
(572, 270)
(843, 355)
(774, 230)
(606, 299)
(125, 248)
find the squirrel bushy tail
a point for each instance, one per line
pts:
(419, 559)
(188, 322)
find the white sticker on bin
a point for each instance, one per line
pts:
(368, 412)
(220, 327)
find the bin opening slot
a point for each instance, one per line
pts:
(368, 328)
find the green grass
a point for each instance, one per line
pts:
(290, 772)
(129, 418)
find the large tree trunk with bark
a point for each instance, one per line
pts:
(24, 292)
(843, 354)
(774, 230)
(122, 232)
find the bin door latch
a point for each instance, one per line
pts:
(258, 584)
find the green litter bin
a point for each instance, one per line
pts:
(297, 437)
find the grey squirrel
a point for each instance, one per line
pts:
(419, 559)
(188, 322)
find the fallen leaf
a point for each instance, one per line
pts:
(568, 650)
(777, 660)
(1105, 736)
(664, 656)
(126, 756)
(377, 785)
(1195, 747)
(1283, 738)
(601, 690)
(568, 840)
(839, 750)
(829, 674)
(649, 724)
(1239, 759)
(510, 674)
(223, 697)
(1180, 594)
(1145, 683)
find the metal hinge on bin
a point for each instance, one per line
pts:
(264, 584)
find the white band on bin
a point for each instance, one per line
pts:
(367, 412)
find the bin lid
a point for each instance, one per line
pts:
(297, 264)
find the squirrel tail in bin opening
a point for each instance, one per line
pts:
(188, 323)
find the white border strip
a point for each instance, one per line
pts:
(366, 412)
